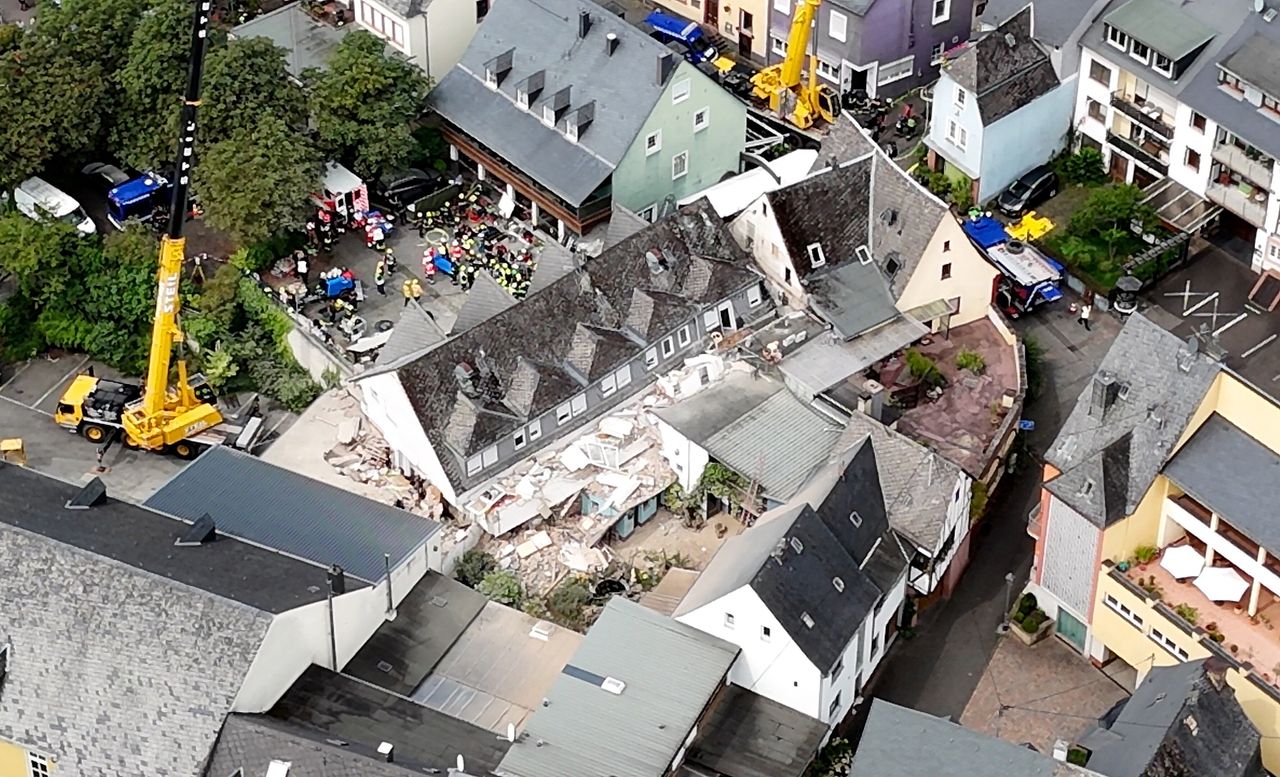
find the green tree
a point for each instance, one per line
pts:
(286, 169)
(474, 565)
(1108, 214)
(364, 102)
(151, 81)
(245, 80)
(503, 587)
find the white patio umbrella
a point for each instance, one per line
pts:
(1182, 561)
(1222, 584)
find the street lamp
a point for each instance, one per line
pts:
(1008, 594)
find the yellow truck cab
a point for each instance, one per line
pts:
(93, 406)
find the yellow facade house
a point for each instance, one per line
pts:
(1158, 537)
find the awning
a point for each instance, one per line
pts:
(1178, 206)
(1222, 584)
(1182, 561)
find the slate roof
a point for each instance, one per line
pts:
(1182, 720)
(829, 208)
(748, 735)
(310, 519)
(121, 661)
(622, 225)
(485, 300)
(899, 742)
(1234, 475)
(853, 298)
(415, 331)
(667, 685)
(143, 539)
(904, 217)
(1109, 455)
(529, 354)
(1164, 29)
(916, 482)
(1004, 77)
(402, 652)
(757, 428)
(791, 556)
(1258, 62)
(337, 706)
(543, 37)
(1055, 20)
(253, 742)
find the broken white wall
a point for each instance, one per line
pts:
(756, 230)
(686, 458)
(384, 402)
(773, 665)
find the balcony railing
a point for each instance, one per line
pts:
(1257, 170)
(1152, 158)
(1243, 205)
(1148, 116)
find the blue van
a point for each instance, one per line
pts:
(137, 199)
(668, 29)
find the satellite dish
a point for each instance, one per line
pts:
(511, 734)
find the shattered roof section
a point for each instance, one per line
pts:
(829, 209)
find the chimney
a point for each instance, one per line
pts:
(386, 751)
(1187, 353)
(337, 580)
(666, 66)
(610, 44)
(1104, 392)
(872, 404)
(584, 23)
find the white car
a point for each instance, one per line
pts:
(38, 199)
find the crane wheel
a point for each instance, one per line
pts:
(93, 433)
(185, 450)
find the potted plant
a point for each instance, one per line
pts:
(1033, 628)
(1144, 555)
(1187, 613)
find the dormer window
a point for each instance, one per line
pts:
(1117, 38)
(1230, 82)
(548, 116)
(816, 257)
(490, 78)
(1162, 65)
(571, 132)
(522, 99)
(1140, 52)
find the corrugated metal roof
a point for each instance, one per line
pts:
(824, 361)
(586, 731)
(263, 503)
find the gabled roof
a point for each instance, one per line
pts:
(144, 539)
(900, 742)
(590, 727)
(1005, 68)
(542, 37)
(416, 329)
(1233, 474)
(829, 208)
(1127, 420)
(1055, 20)
(249, 498)
(794, 554)
(1183, 716)
(125, 651)
(530, 357)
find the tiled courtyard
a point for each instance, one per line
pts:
(1039, 694)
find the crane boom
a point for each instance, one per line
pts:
(782, 86)
(798, 43)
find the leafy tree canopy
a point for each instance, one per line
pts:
(245, 80)
(363, 103)
(257, 182)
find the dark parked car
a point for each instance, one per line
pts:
(408, 186)
(104, 177)
(1028, 191)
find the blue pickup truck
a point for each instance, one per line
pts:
(688, 35)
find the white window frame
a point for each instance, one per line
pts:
(489, 457)
(1133, 51)
(702, 118)
(683, 159)
(668, 347)
(766, 634)
(834, 709)
(653, 143)
(816, 257)
(563, 413)
(777, 45)
(887, 73)
(650, 213)
(651, 358)
(961, 97)
(474, 464)
(1169, 645)
(829, 71)
(754, 297)
(548, 115)
(728, 620)
(608, 385)
(1155, 64)
(623, 376)
(520, 438)
(936, 53)
(863, 253)
(535, 430)
(838, 668)
(681, 90)
(683, 336)
(710, 319)
(945, 14)
(957, 135)
(490, 79)
(1122, 609)
(838, 25)
(1117, 38)
(578, 405)
(38, 764)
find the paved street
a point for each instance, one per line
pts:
(938, 671)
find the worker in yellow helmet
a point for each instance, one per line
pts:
(412, 289)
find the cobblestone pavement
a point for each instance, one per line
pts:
(1039, 694)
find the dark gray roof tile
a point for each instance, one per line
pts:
(1004, 77)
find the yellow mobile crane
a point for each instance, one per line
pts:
(783, 84)
(157, 416)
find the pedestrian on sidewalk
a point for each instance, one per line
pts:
(1085, 310)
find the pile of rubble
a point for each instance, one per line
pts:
(364, 456)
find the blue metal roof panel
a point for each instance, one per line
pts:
(265, 504)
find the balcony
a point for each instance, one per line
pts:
(1246, 205)
(1234, 157)
(1148, 154)
(1147, 115)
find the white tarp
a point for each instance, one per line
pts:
(1222, 584)
(731, 196)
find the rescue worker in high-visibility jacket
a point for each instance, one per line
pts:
(380, 277)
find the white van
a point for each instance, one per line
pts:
(38, 199)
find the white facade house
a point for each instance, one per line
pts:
(811, 593)
(1194, 111)
(998, 109)
(431, 33)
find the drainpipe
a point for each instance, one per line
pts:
(333, 636)
(391, 608)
